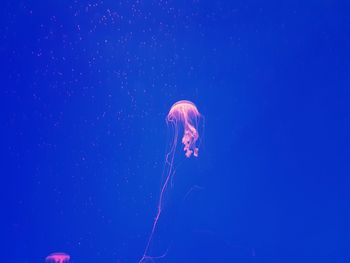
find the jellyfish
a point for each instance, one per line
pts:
(57, 257)
(183, 115)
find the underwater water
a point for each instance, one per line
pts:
(86, 90)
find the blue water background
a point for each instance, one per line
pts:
(86, 86)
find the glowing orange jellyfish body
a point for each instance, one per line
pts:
(186, 113)
(183, 114)
(58, 258)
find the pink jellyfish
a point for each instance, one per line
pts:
(185, 113)
(182, 115)
(58, 257)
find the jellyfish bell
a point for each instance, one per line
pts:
(57, 257)
(183, 109)
(185, 113)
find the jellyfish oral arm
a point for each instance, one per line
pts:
(189, 140)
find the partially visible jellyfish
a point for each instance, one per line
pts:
(57, 257)
(183, 114)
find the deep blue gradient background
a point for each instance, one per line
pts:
(85, 89)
